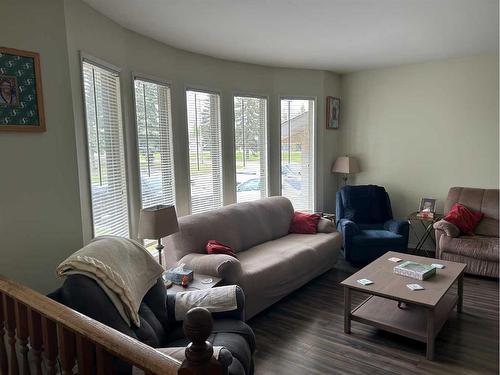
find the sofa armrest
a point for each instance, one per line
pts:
(450, 229)
(224, 266)
(237, 314)
(347, 227)
(221, 354)
(397, 226)
(326, 226)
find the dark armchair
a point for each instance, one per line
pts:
(364, 217)
(159, 327)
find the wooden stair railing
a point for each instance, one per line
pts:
(60, 338)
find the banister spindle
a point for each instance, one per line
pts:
(4, 363)
(198, 326)
(49, 335)
(104, 361)
(22, 335)
(11, 334)
(85, 356)
(35, 331)
(66, 341)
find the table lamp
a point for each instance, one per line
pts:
(157, 222)
(346, 165)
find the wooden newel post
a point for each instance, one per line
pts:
(199, 360)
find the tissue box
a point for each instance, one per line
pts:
(175, 275)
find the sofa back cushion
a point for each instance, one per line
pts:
(240, 226)
(482, 200)
(366, 204)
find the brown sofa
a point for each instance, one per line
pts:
(480, 252)
(271, 262)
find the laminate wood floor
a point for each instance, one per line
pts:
(303, 334)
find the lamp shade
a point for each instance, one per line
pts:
(157, 221)
(346, 165)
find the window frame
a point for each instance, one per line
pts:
(206, 90)
(248, 94)
(85, 57)
(158, 81)
(314, 144)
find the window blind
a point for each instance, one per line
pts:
(105, 150)
(154, 138)
(205, 155)
(250, 126)
(297, 152)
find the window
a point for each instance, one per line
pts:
(154, 139)
(297, 152)
(250, 124)
(105, 150)
(205, 155)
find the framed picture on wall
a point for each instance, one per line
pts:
(332, 112)
(21, 101)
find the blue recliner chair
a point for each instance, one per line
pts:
(364, 217)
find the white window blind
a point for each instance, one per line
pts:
(154, 138)
(250, 126)
(205, 156)
(297, 152)
(105, 150)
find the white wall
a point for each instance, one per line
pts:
(40, 221)
(420, 129)
(91, 32)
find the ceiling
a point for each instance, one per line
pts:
(336, 35)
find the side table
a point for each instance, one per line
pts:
(426, 224)
(196, 284)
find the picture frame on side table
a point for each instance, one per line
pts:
(332, 112)
(21, 98)
(427, 205)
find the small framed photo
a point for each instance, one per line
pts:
(427, 205)
(332, 112)
(21, 102)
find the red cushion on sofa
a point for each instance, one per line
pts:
(304, 223)
(465, 219)
(215, 247)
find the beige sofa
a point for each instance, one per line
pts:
(481, 251)
(271, 262)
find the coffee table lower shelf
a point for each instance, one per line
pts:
(413, 321)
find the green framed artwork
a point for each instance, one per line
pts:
(21, 101)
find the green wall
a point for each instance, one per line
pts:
(421, 129)
(417, 129)
(40, 219)
(43, 216)
(97, 35)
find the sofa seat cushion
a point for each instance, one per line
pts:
(324, 245)
(376, 237)
(478, 247)
(275, 267)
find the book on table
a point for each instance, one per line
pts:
(425, 215)
(415, 270)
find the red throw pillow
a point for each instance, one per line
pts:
(215, 247)
(304, 223)
(464, 218)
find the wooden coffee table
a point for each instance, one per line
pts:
(423, 313)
